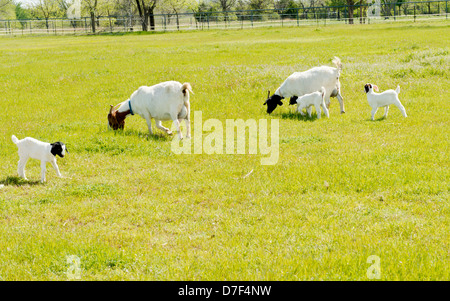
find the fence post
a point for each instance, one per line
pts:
(345, 12)
(394, 12)
(414, 12)
(297, 17)
(446, 10)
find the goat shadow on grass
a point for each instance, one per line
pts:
(156, 136)
(17, 181)
(294, 115)
(376, 119)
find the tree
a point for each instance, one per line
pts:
(177, 6)
(260, 4)
(46, 9)
(146, 10)
(7, 9)
(226, 5)
(91, 7)
(21, 14)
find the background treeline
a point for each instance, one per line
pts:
(146, 9)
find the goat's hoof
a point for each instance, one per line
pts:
(188, 137)
(169, 133)
(342, 112)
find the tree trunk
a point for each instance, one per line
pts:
(142, 15)
(152, 18)
(360, 12)
(350, 15)
(350, 11)
(93, 22)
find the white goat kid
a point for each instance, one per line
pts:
(164, 101)
(301, 83)
(384, 99)
(316, 99)
(43, 151)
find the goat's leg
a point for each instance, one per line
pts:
(161, 127)
(43, 169)
(188, 127)
(21, 167)
(341, 102)
(318, 111)
(401, 107)
(149, 123)
(300, 110)
(177, 126)
(325, 110)
(309, 110)
(374, 110)
(55, 166)
(386, 110)
(328, 102)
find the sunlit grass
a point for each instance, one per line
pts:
(344, 188)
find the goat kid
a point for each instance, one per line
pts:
(384, 99)
(43, 151)
(164, 101)
(301, 83)
(316, 99)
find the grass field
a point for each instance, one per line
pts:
(130, 209)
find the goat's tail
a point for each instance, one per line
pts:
(186, 87)
(323, 91)
(398, 89)
(14, 139)
(337, 62)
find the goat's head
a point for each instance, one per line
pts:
(368, 87)
(116, 120)
(58, 148)
(293, 100)
(272, 102)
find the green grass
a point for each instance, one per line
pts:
(131, 209)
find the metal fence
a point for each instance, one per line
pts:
(388, 12)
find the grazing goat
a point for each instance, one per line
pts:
(46, 152)
(384, 99)
(164, 101)
(301, 83)
(316, 99)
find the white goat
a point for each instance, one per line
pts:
(43, 151)
(301, 83)
(384, 99)
(316, 99)
(164, 101)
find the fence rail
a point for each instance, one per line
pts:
(325, 15)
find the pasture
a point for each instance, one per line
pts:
(344, 187)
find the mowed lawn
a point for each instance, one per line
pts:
(344, 188)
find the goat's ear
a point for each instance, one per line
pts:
(265, 103)
(375, 87)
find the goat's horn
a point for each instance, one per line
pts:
(268, 93)
(111, 109)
